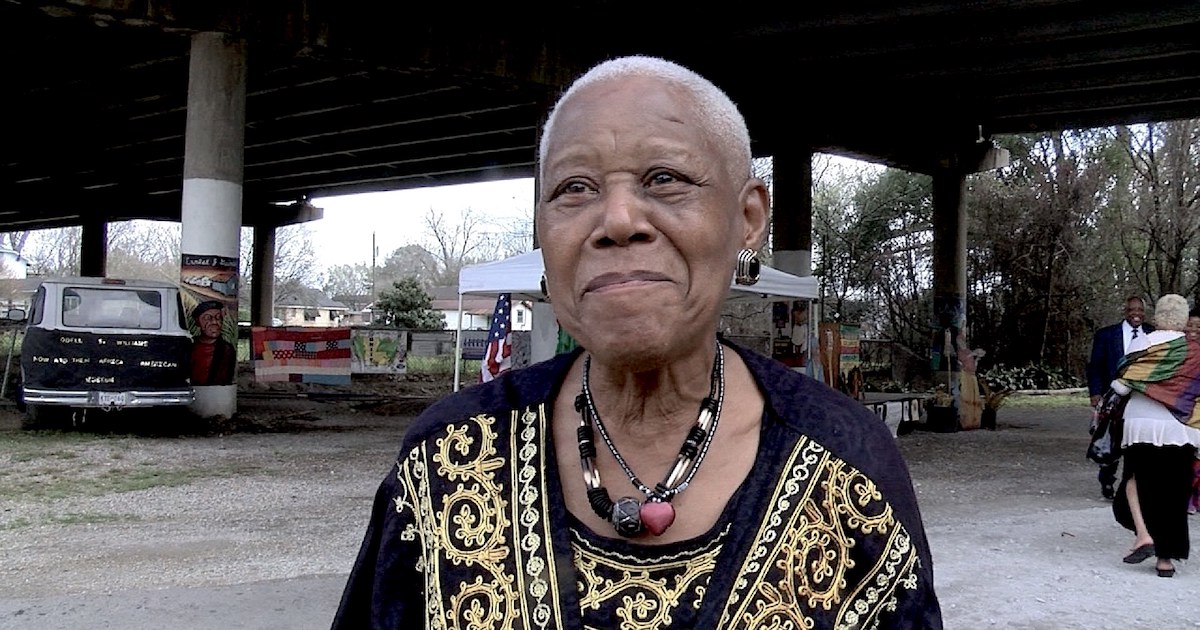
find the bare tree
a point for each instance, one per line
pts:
(349, 284)
(512, 236)
(56, 252)
(14, 240)
(408, 261)
(296, 266)
(1160, 227)
(295, 258)
(144, 249)
(457, 244)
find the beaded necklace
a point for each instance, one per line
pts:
(628, 515)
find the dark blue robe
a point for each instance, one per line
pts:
(469, 530)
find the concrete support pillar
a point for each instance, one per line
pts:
(262, 274)
(791, 212)
(212, 215)
(949, 279)
(791, 251)
(93, 251)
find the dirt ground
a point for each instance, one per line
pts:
(257, 528)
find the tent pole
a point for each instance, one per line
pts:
(458, 344)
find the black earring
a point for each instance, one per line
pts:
(748, 267)
(545, 291)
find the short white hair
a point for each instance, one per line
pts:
(1171, 312)
(718, 115)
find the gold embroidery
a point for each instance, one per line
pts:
(473, 520)
(414, 497)
(467, 527)
(805, 549)
(532, 517)
(896, 568)
(489, 522)
(649, 590)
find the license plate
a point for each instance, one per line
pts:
(110, 399)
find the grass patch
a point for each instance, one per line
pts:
(82, 518)
(17, 439)
(112, 481)
(70, 518)
(17, 523)
(46, 466)
(49, 484)
(440, 365)
(26, 446)
(1048, 401)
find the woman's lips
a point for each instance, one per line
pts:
(606, 280)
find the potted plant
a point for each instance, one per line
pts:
(942, 416)
(992, 401)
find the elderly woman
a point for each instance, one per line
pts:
(657, 477)
(1159, 447)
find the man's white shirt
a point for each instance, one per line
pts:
(1127, 335)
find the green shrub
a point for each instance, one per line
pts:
(1029, 377)
(442, 366)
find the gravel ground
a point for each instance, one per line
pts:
(235, 510)
(258, 530)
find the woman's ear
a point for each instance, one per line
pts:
(756, 206)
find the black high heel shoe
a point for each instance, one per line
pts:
(1166, 572)
(1140, 554)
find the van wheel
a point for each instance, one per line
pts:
(46, 417)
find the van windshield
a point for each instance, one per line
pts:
(87, 307)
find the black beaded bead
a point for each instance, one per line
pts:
(587, 441)
(661, 489)
(709, 404)
(692, 445)
(580, 403)
(601, 503)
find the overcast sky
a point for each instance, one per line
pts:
(397, 218)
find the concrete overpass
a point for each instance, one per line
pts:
(342, 99)
(114, 105)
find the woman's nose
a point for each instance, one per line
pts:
(625, 217)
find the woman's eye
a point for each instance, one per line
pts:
(572, 187)
(575, 187)
(666, 177)
(662, 177)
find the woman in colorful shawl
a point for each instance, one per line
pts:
(1160, 374)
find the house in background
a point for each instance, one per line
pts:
(12, 265)
(477, 310)
(359, 305)
(309, 307)
(16, 287)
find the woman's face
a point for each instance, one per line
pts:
(639, 222)
(1193, 328)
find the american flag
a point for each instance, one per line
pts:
(496, 358)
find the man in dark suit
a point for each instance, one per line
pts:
(1108, 346)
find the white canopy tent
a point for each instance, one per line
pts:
(522, 277)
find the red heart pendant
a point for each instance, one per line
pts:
(657, 516)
